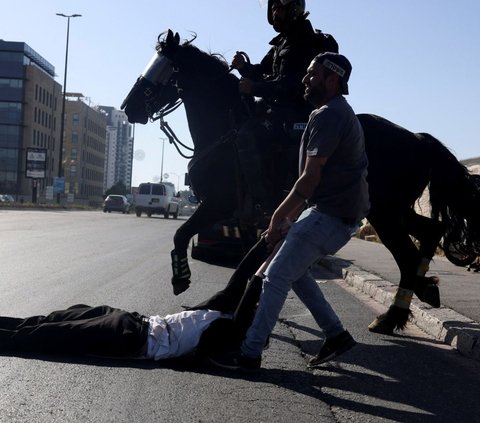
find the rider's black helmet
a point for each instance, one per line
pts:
(296, 8)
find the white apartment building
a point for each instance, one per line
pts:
(118, 148)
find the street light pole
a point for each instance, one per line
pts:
(62, 123)
(161, 167)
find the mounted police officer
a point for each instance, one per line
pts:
(277, 81)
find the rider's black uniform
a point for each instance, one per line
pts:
(277, 79)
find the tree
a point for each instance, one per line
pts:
(119, 189)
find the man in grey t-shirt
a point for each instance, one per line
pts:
(334, 131)
(333, 170)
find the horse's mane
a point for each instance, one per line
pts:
(204, 62)
(210, 62)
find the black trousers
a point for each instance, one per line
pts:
(108, 331)
(102, 330)
(240, 297)
(229, 298)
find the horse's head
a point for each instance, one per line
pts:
(180, 70)
(154, 89)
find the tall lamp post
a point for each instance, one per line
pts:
(161, 167)
(62, 123)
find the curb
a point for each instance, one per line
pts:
(444, 324)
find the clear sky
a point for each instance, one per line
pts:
(415, 62)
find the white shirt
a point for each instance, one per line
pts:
(178, 334)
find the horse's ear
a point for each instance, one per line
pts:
(172, 40)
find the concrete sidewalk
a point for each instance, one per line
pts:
(370, 267)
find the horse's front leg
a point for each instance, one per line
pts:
(203, 217)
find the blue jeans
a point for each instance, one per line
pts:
(313, 236)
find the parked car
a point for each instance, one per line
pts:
(6, 198)
(187, 210)
(116, 203)
(157, 198)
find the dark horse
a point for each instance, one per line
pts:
(401, 165)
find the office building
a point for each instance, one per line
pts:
(84, 150)
(30, 113)
(119, 149)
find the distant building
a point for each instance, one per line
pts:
(94, 156)
(84, 150)
(422, 205)
(119, 148)
(30, 113)
(473, 165)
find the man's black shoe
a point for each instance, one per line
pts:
(235, 360)
(333, 347)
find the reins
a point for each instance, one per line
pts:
(173, 139)
(168, 131)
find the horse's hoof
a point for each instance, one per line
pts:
(180, 285)
(382, 325)
(394, 318)
(428, 292)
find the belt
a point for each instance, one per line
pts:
(144, 335)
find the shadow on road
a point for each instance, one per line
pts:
(399, 381)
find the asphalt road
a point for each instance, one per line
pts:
(51, 260)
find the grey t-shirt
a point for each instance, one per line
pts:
(334, 131)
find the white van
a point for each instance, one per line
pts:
(157, 198)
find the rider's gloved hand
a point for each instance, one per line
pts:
(238, 61)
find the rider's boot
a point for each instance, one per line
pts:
(181, 272)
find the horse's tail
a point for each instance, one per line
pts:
(454, 195)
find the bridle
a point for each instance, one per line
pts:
(159, 73)
(174, 105)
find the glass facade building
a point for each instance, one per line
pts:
(30, 103)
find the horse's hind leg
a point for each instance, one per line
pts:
(428, 232)
(393, 232)
(203, 217)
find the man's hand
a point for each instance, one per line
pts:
(277, 231)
